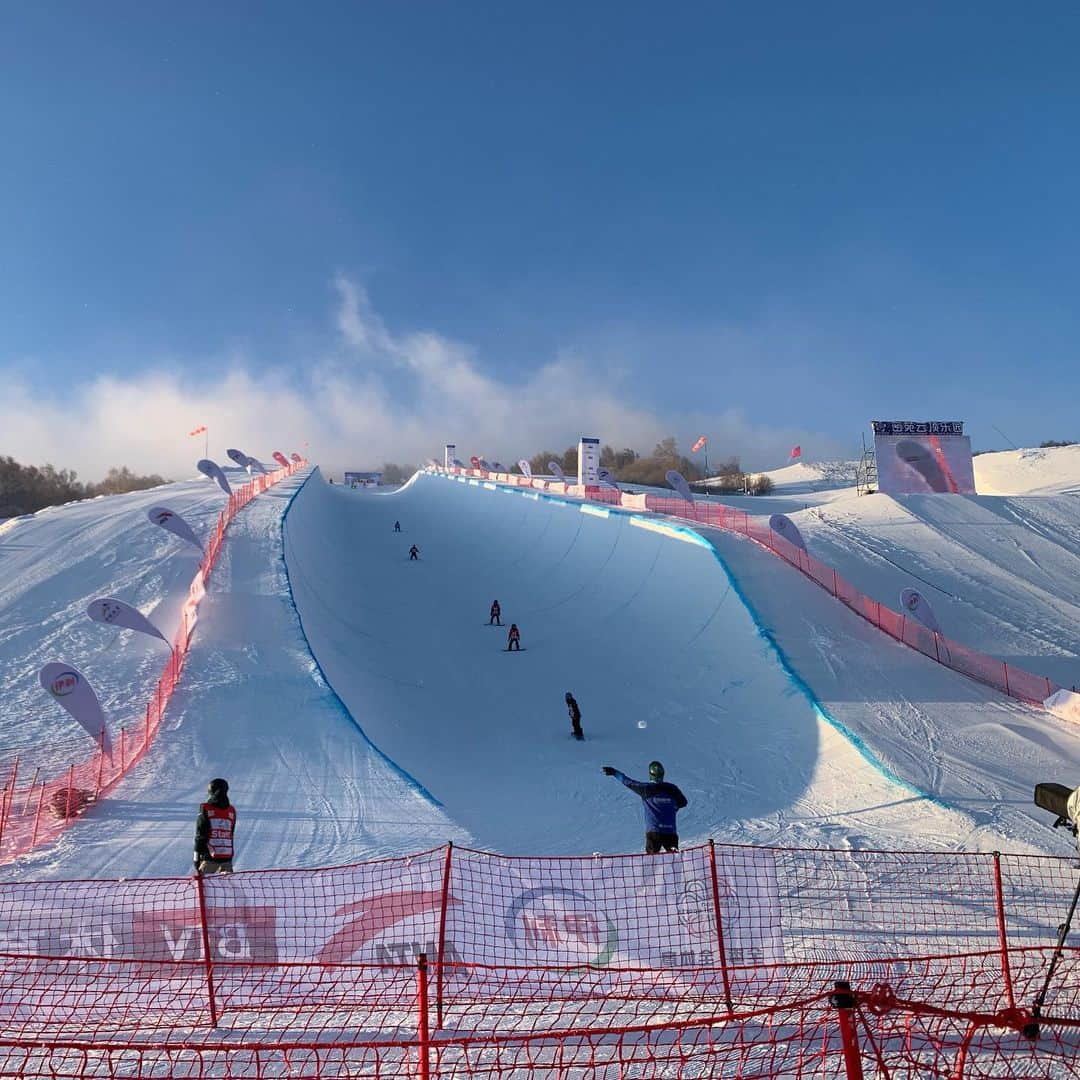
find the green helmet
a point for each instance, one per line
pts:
(656, 770)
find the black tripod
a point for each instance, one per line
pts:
(1031, 1029)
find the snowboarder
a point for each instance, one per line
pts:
(575, 715)
(496, 614)
(414, 552)
(660, 802)
(397, 526)
(214, 829)
(513, 639)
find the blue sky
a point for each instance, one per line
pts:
(379, 226)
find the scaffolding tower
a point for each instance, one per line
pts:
(866, 477)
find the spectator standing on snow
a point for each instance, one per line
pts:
(214, 830)
(397, 526)
(513, 639)
(575, 715)
(660, 802)
(496, 614)
(414, 552)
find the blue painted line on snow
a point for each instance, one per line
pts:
(407, 777)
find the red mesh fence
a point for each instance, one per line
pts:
(1009, 679)
(716, 961)
(35, 810)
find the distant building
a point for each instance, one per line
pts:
(362, 479)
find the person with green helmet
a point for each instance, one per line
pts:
(660, 802)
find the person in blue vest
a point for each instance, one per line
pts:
(214, 830)
(660, 802)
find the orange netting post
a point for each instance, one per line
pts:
(423, 1035)
(442, 937)
(843, 1000)
(207, 959)
(719, 926)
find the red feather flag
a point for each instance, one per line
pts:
(698, 445)
(796, 451)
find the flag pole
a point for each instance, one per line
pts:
(206, 441)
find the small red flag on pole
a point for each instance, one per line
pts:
(198, 430)
(796, 451)
(698, 445)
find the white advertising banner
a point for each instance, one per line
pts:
(449, 454)
(588, 458)
(213, 470)
(172, 522)
(113, 612)
(68, 688)
(526, 469)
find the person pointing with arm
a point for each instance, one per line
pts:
(660, 803)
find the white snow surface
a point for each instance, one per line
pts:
(783, 717)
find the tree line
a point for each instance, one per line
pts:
(25, 489)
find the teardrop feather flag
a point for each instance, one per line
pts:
(678, 482)
(783, 526)
(281, 459)
(556, 470)
(915, 604)
(296, 457)
(239, 457)
(112, 612)
(525, 467)
(213, 470)
(698, 445)
(174, 523)
(69, 688)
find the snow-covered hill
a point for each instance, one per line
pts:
(783, 717)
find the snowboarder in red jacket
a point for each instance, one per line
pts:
(513, 639)
(496, 614)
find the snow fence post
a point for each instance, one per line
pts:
(101, 763)
(441, 958)
(7, 798)
(422, 1034)
(843, 1000)
(70, 784)
(1003, 940)
(37, 816)
(207, 959)
(719, 926)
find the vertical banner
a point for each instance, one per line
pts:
(174, 523)
(113, 612)
(69, 688)
(555, 469)
(213, 470)
(239, 457)
(605, 476)
(281, 459)
(449, 454)
(588, 461)
(783, 526)
(678, 482)
(295, 458)
(916, 605)
(258, 466)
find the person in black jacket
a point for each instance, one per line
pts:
(214, 831)
(414, 552)
(575, 715)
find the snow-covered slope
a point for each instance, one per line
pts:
(723, 670)
(1045, 470)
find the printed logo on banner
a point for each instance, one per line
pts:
(378, 914)
(540, 920)
(240, 933)
(64, 683)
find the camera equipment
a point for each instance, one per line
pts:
(1055, 798)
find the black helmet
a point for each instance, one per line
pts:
(217, 785)
(656, 770)
(569, 696)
